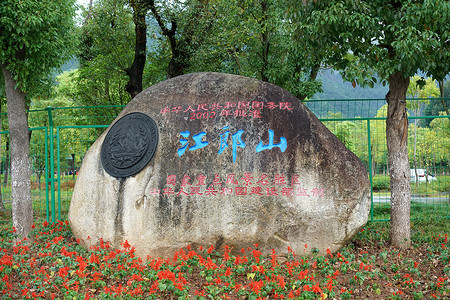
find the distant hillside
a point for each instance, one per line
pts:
(335, 88)
(70, 65)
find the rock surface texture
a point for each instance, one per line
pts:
(238, 161)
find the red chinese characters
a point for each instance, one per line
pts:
(240, 185)
(236, 109)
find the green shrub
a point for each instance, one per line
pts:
(442, 184)
(381, 183)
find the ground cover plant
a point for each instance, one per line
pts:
(52, 265)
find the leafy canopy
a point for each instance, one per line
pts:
(383, 37)
(36, 37)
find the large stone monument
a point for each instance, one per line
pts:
(215, 159)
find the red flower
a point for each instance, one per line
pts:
(63, 272)
(273, 258)
(226, 254)
(256, 255)
(126, 245)
(136, 277)
(317, 289)
(166, 274)
(256, 286)
(303, 274)
(281, 282)
(94, 259)
(198, 293)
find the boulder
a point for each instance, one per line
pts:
(214, 159)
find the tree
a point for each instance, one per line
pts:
(254, 39)
(343, 130)
(390, 39)
(2, 101)
(190, 25)
(438, 105)
(36, 37)
(422, 90)
(135, 72)
(105, 53)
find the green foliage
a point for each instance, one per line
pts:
(253, 38)
(381, 183)
(106, 50)
(382, 37)
(433, 143)
(441, 185)
(422, 88)
(341, 129)
(36, 36)
(435, 107)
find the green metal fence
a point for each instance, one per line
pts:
(361, 126)
(60, 138)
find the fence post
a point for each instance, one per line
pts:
(46, 174)
(58, 159)
(370, 169)
(52, 163)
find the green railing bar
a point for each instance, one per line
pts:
(37, 128)
(99, 106)
(83, 126)
(52, 164)
(47, 204)
(369, 145)
(58, 164)
(45, 127)
(363, 100)
(340, 100)
(29, 129)
(380, 119)
(75, 107)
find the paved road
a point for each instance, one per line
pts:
(413, 198)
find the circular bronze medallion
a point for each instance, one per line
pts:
(129, 145)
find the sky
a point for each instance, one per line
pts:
(83, 3)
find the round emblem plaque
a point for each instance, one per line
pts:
(129, 145)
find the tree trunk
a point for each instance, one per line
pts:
(135, 72)
(265, 43)
(2, 206)
(22, 208)
(397, 145)
(177, 64)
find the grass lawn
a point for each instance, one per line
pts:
(55, 266)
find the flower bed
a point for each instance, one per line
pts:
(54, 265)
